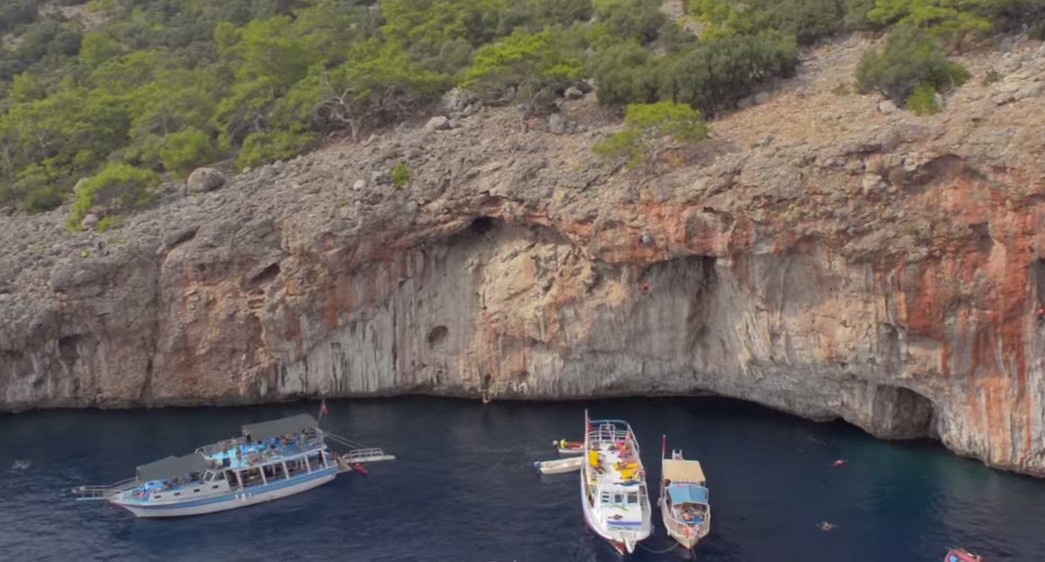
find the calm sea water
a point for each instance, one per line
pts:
(463, 488)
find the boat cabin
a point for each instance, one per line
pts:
(266, 453)
(685, 492)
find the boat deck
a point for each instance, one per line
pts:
(242, 456)
(618, 479)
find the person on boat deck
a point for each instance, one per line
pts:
(562, 443)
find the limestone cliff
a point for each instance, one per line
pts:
(817, 255)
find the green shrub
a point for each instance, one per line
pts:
(923, 100)
(400, 175)
(1037, 32)
(645, 127)
(946, 19)
(910, 57)
(855, 14)
(638, 20)
(625, 73)
(115, 188)
(108, 223)
(717, 73)
(523, 62)
(261, 148)
(186, 150)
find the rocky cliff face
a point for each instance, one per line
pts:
(816, 255)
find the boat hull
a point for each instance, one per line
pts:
(687, 541)
(624, 544)
(235, 500)
(559, 466)
(619, 545)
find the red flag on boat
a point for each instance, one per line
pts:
(323, 408)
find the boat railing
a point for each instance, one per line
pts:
(363, 455)
(101, 493)
(607, 432)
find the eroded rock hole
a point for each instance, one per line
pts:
(901, 413)
(483, 224)
(1038, 278)
(266, 275)
(68, 348)
(437, 336)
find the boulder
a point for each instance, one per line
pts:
(437, 123)
(90, 221)
(557, 123)
(761, 98)
(887, 107)
(457, 100)
(573, 93)
(205, 179)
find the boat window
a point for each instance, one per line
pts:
(618, 498)
(218, 477)
(633, 498)
(605, 498)
(251, 477)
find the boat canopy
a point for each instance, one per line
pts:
(687, 493)
(275, 428)
(683, 471)
(172, 467)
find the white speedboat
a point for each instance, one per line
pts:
(613, 484)
(271, 460)
(684, 505)
(559, 466)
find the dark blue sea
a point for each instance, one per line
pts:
(463, 488)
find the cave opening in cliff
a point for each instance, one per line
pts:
(437, 336)
(901, 413)
(483, 224)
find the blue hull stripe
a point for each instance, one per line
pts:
(235, 495)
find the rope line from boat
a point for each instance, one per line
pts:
(670, 547)
(345, 441)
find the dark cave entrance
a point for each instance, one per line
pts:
(484, 224)
(901, 413)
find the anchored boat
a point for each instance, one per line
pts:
(271, 460)
(684, 504)
(613, 484)
(565, 447)
(559, 466)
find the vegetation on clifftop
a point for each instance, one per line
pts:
(163, 86)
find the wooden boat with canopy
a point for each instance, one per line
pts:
(684, 501)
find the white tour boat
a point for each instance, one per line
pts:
(613, 484)
(271, 460)
(684, 505)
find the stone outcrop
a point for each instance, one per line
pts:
(204, 179)
(815, 255)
